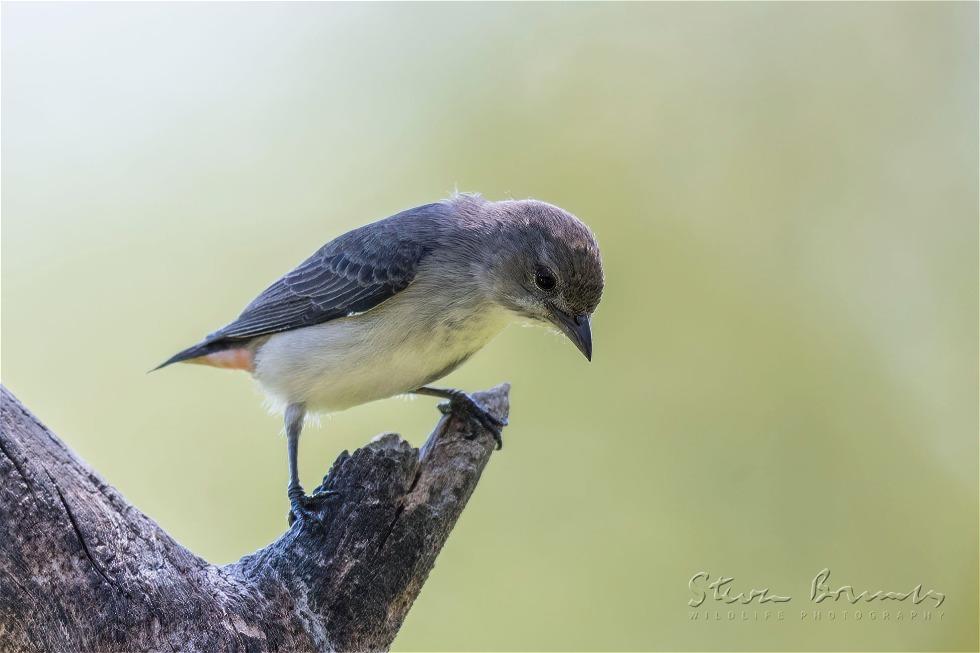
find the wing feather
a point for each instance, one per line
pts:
(351, 274)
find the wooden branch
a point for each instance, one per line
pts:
(83, 570)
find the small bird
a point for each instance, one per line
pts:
(390, 307)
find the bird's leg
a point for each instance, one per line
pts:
(461, 402)
(295, 414)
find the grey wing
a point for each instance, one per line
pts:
(351, 274)
(335, 282)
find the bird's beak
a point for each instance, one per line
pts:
(579, 330)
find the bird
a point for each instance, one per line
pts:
(394, 305)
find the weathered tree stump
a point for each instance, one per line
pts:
(83, 570)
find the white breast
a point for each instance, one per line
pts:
(403, 344)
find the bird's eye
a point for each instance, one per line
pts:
(545, 280)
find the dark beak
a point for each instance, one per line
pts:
(579, 330)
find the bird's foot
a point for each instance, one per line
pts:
(463, 404)
(303, 507)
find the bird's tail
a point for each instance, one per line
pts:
(197, 351)
(230, 355)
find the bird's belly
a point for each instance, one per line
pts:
(355, 360)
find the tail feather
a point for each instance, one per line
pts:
(197, 351)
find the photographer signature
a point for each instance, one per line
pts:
(820, 590)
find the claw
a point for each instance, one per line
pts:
(469, 406)
(303, 507)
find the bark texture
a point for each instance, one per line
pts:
(83, 570)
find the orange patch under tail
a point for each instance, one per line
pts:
(229, 359)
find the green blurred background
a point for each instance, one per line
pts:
(785, 372)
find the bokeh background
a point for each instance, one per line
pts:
(785, 372)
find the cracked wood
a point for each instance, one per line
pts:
(83, 570)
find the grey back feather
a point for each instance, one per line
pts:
(351, 274)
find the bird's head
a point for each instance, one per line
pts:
(547, 268)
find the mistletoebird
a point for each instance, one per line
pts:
(394, 305)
